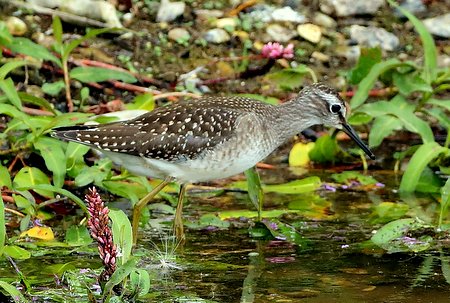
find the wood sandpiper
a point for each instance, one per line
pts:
(208, 138)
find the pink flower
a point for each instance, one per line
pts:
(274, 50)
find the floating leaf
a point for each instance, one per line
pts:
(295, 187)
(388, 211)
(28, 177)
(39, 232)
(99, 74)
(347, 177)
(299, 154)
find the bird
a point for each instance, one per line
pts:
(213, 137)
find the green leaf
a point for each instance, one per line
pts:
(16, 252)
(13, 292)
(78, 236)
(295, 187)
(359, 118)
(290, 78)
(2, 225)
(7, 86)
(368, 82)
(52, 152)
(442, 103)
(8, 67)
(27, 47)
(5, 177)
(121, 273)
(5, 36)
(424, 154)
(75, 153)
(409, 83)
(142, 101)
(325, 150)
(41, 102)
(91, 33)
(382, 127)
(57, 30)
(429, 48)
(140, 281)
(369, 57)
(255, 191)
(29, 177)
(88, 74)
(122, 233)
(53, 89)
(347, 177)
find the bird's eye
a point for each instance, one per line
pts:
(335, 108)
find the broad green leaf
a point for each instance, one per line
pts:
(140, 281)
(388, 211)
(62, 191)
(441, 116)
(57, 30)
(13, 292)
(359, 118)
(27, 47)
(52, 152)
(99, 74)
(68, 119)
(325, 150)
(41, 102)
(122, 233)
(442, 103)
(2, 225)
(255, 191)
(382, 127)
(75, 153)
(54, 88)
(8, 67)
(5, 35)
(78, 236)
(429, 48)
(28, 177)
(122, 271)
(409, 83)
(16, 252)
(5, 177)
(347, 177)
(7, 86)
(290, 78)
(445, 201)
(295, 187)
(142, 101)
(132, 191)
(429, 182)
(369, 81)
(369, 57)
(424, 154)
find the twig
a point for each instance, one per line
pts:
(13, 211)
(175, 94)
(241, 7)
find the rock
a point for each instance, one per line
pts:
(280, 33)
(261, 13)
(208, 13)
(16, 26)
(324, 20)
(226, 22)
(351, 53)
(344, 8)
(374, 36)
(287, 14)
(320, 56)
(310, 32)
(169, 11)
(177, 34)
(439, 26)
(413, 6)
(216, 35)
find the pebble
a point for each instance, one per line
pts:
(226, 22)
(324, 20)
(208, 13)
(216, 35)
(280, 33)
(413, 6)
(439, 26)
(351, 53)
(287, 14)
(16, 26)
(169, 11)
(372, 36)
(343, 8)
(320, 56)
(310, 32)
(177, 34)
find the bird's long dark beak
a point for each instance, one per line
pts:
(352, 134)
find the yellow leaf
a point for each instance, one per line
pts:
(299, 154)
(39, 232)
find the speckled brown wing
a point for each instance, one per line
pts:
(172, 133)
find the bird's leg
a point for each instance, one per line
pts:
(178, 228)
(137, 209)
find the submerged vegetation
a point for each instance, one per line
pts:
(42, 179)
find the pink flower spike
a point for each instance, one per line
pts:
(288, 52)
(274, 50)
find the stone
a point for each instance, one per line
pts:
(439, 26)
(226, 22)
(310, 32)
(413, 6)
(16, 26)
(320, 56)
(169, 11)
(177, 34)
(287, 14)
(343, 8)
(280, 33)
(208, 13)
(216, 35)
(372, 36)
(324, 20)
